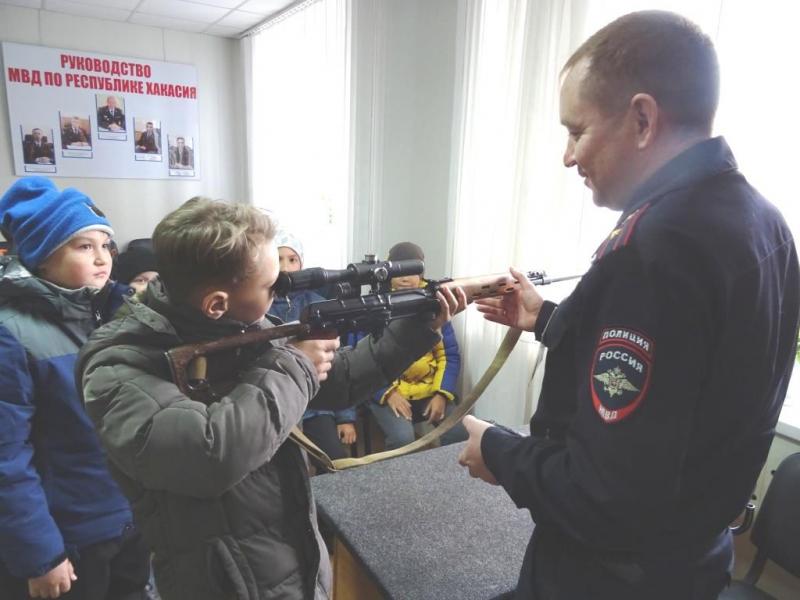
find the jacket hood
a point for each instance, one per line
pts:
(17, 282)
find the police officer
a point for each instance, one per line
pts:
(668, 365)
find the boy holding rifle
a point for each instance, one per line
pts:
(222, 500)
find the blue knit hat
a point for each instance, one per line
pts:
(40, 218)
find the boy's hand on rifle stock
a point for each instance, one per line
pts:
(319, 352)
(450, 304)
(518, 309)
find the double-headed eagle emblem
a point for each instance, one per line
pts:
(615, 382)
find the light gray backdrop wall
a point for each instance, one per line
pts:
(407, 85)
(135, 206)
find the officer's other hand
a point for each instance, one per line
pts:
(451, 302)
(518, 309)
(399, 405)
(55, 582)
(319, 352)
(471, 456)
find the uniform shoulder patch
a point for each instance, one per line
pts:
(620, 373)
(621, 235)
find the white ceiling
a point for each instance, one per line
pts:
(227, 18)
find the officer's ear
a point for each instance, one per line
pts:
(647, 119)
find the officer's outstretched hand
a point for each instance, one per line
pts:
(471, 456)
(519, 309)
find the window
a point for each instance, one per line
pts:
(299, 126)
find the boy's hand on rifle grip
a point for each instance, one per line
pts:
(450, 304)
(518, 309)
(319, 352)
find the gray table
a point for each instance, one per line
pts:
(421, 528)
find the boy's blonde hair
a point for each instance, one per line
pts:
(207, 242)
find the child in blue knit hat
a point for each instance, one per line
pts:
(331, 430)
(65, 525)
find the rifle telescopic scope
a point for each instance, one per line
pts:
(356, 274)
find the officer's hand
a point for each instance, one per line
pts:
(319, 352)
(52, 584)
(519, 309)
(399, 405)
(347, 433)
(450, 304)
(471, 456)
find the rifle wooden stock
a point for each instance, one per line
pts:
(188, 363)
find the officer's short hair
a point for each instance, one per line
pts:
(208, 242)
(658, 53)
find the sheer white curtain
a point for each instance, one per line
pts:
(299, 155)
(515, 202)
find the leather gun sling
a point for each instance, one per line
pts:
(503, 352)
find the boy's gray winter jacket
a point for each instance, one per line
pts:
(218, 492)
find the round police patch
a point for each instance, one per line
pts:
(620, 372)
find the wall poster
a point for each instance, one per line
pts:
(82, 114)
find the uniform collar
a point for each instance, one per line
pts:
(701, 161)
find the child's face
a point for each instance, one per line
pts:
(139, 283)
(406, 282)
(289, 259)
(249, 300)
(85, 260)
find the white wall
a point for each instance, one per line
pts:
(135, 206)
(405, 79)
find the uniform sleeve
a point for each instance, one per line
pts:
(166, 441)
(640, 362)
(347, 415)
(373, 363)
(30, 540)
(448, 363)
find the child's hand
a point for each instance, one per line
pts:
(435, 409)
(398, 404)
(450, 304)
(319, 352)
(347, 433)
(55, 582)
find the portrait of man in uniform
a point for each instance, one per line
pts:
(75, 133)
(110, 113)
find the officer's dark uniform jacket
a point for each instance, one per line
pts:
(218, 492)
(666, 371)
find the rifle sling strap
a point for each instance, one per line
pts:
(454, 417)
